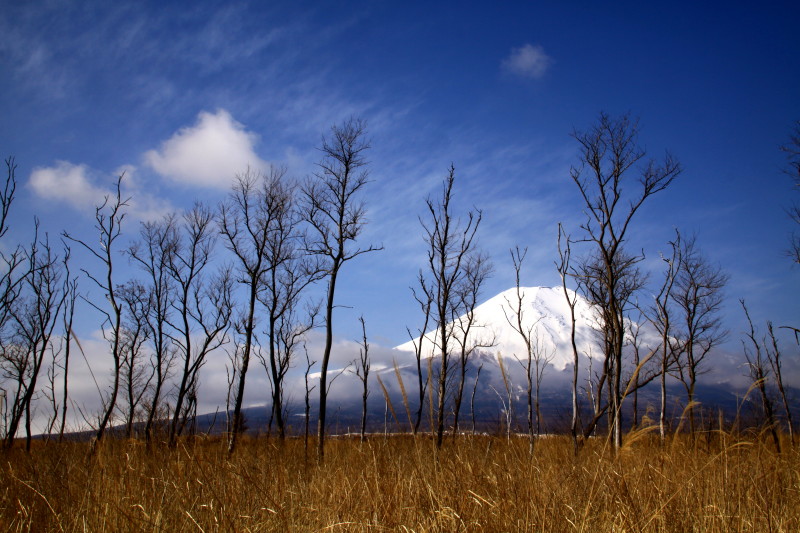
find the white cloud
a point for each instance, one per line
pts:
(68, 183)
(528, 61)
(208, 154)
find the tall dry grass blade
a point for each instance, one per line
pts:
(405, 396)
(388, 400)
(687, 409)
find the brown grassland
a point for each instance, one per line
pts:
(481, 483)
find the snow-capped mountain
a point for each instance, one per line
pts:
(545, 313)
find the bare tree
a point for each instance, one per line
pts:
(136, 375)
(472, 397)
(467, 337)
(759, 374)
(336, 217)
(564, 270)
(12, 259)
(287, 271)
(246, 221)
(425, 301)
(661, 314)
(451, 247)
(775, 358)
(308, 390)
(792, 150)
(35, 317)
(697, 293)
(610, 275)
(362, 371)
(153, 253)
(289, 333)
(203, 305)
(70, 291)
(109, 216)
(535, 359)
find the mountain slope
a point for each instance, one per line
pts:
(546, 312)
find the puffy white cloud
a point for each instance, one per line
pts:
(72, 184)
(68, 183)
(528, 61)
(208, 154)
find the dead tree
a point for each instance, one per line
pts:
(362, 372)
(660, 317)
(246, 221)
(287, 271)
(336, 217)
(290, 331)
(774, 356)
(759, 374)
(35, 316)
(424, 300)
(472, 397)
(792, 150)
(450, 246)
(70, 291)
(609, 153)
(308, 390)
(12, 261)
(467, 340)
(535, 359)
(136, 375)
(564, 270)
(109, 216)
(697, 293)
(153, 254)
(202, 306)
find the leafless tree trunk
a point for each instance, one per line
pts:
(610, 275)
(564, 270)
(203, 306)
(35, 316)
(792, 150)
(287, 271)
(774, 357)
(154, 254)
(13, 259)
(308, 390)
(451, 245)
(425, 302)
(247, 221)
(698, 296)
(136, 376)
(468, 340)
(336, 217)
(70, 291)
(661, 314)
(472, 397)
(759, 375)
(362, 371)
(534, 360)
(109, 217)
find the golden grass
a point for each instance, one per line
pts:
(402, 484)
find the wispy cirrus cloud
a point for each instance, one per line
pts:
(208, 154)
(527, 61)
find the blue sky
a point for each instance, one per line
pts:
(182, 96)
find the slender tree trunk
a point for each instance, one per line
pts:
(326, 355)
(248, 343)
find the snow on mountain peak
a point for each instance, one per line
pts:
(545, 313)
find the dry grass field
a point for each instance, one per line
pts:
(479, 483)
